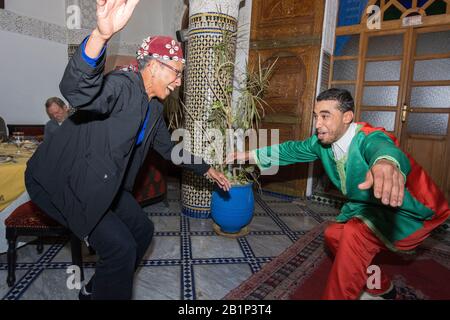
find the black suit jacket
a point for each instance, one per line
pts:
(50, 127)
(81, 169)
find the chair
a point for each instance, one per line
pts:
(29, 220)
(3, 129)
(150, 185)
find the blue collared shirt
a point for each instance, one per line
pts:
(91, 61)
(141, 134)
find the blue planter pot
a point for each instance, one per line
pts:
(233, 210)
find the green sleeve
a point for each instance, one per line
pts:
(285, 153)
(379, 146)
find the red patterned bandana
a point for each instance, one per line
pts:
(160, 47)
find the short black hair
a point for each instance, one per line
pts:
(342, 96)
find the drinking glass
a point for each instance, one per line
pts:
(18, 139)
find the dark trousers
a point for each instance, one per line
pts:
(120, 240)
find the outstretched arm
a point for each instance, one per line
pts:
(282, 154)
(83, 79)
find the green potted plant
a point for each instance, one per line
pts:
(232, 210)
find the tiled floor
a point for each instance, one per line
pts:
(186, 259)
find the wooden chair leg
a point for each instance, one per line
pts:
(166, 199)
(77, 258)
(11, 258)
(40, 245)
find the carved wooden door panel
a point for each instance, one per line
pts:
(289, 30)
(425, 132)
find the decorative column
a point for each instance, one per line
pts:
(207, 20)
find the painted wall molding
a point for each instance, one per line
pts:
(28, 26)
(13, 22)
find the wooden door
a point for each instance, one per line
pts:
(382, 79)
(404, 86)
(289, 30)
(425, 112)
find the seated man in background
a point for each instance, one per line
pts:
(57, 111)
(3, 130)
(392, 204)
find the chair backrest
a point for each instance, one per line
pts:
(3, 129)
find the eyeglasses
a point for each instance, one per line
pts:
(178, 73)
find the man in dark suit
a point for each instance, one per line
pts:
(83, 176)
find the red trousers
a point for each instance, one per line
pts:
(354, 246)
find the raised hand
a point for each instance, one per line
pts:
(387, 181)
(113, 15)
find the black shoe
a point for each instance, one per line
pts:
(86, 292)
(391, 294)
(84, 295)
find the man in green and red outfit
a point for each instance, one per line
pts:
(392, 203)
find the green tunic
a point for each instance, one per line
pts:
(391, 225)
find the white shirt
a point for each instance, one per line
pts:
(340, 147)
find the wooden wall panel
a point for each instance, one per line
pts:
(289, 31)
(423, 149)
(274, 19)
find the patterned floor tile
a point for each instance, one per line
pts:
(285, 208)
(200, 224)
(299, 223)
(157, 283)
(214, 247)
(53, 285)
(163, 247)
(4, 289)
(268, 246)
(166, 223)
(263, 224)
(26, 253)
(215, 281)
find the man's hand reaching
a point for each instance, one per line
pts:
(387, 181)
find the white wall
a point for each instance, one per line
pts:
(147, 20)
(173, 11)
(52, 11)
(31, 69)
(242, 45)
(327, 45)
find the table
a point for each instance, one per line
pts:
(12, 181)
(12, 184)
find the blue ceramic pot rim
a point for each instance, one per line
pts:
(241, 185)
